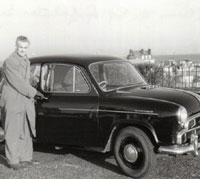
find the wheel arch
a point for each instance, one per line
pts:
(145, 127)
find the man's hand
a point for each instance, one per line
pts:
(34, 80)
(39, 94)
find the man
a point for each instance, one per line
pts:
(19, 110)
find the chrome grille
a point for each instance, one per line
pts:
(192, 126)
(198, 121)
(194, 122)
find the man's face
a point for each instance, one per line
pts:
(21, 48)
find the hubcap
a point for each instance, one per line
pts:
(130, 153)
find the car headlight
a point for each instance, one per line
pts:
(182, 115)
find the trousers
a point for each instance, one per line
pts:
(18, 144)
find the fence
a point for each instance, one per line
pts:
(185, 77)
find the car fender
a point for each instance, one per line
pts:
(147, 128)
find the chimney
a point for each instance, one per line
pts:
(149, 51)
(130, 51)
(142, 51)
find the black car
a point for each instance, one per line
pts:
(102, 103)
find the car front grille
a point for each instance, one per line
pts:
(192, 126)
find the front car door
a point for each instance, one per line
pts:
(69, 116)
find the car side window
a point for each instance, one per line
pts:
(63, 78)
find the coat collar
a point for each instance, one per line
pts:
(15, 54)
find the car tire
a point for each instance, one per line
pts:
(134, 152)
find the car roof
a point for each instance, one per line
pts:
(76, 59)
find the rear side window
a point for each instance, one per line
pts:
(63, 78)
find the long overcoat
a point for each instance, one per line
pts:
(17, 93)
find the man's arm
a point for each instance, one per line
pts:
(11, 71)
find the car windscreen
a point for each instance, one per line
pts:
(112, 75)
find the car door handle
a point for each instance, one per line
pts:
(45, 98)
(41, 98)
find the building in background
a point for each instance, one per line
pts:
(140, 57)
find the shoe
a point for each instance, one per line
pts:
(32, 162)
(16, 166)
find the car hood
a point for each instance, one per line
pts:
(189, 100)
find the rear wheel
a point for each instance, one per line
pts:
(134, 152)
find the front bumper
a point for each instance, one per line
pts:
(192, 147)
(191, 131)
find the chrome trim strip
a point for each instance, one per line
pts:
(109, 111)
(130, 112)
(74, 109)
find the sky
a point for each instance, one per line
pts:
(104, 27)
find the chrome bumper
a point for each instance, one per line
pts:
(192, 147)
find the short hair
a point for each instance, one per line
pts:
(22, 38)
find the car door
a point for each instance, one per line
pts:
(69, 115)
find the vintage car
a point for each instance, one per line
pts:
(102, 103)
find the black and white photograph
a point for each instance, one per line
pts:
(99, 89)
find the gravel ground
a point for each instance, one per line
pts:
(75, 164)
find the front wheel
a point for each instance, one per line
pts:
(134, 152)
